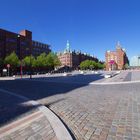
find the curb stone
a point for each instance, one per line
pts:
(58, 127)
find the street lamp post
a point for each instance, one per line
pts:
(30, 67)
(20, 53)
(30, 60)
(21, 69)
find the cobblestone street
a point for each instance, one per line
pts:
(95, 113)
(90, 112)
(35, 127)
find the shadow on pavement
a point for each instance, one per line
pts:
(14, 112)
(11, 108)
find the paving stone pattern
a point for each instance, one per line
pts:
(91, 112)
(19, 120)
(95, 114)
(36, 130)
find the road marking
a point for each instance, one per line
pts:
(13, 94)
(113, 83)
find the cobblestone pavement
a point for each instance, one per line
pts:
(91, 112)
(102, 113)
(33, 127)
(20, 120)
(127, 75)
(135, 75)
(123, 76)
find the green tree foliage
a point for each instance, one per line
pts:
(26, 61)
(29, 61)
(56, 61)
(52, 60)
(89, 64)
(33, 62)
(126, 66)
(12, 59)
(100, 65)
(83, 65)
(41, 60)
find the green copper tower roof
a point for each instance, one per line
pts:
(67, 49)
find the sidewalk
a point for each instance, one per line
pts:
(7, 78)
(25, 119)
(35, 126)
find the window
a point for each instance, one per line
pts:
(11, 40)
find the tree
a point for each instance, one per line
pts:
(12, 59)
(52, 60)
(29, 61)
(33, 62)
(126, 66)
(93, 65)
(83, 65)
(90, 64)
(100, 65)
(26, 61)
(41, 60)
(56, 61)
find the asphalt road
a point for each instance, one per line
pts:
(13, 108)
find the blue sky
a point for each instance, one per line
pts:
(92, 26)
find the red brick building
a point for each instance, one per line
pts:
(116, 60)
(73, 59)
(22, 44)
(38, 48)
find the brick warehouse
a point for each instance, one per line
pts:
(22, 44)
(116, 60)
(73, 59)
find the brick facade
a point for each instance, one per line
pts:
(22, 44)
(73, 59)
(39, 48)
(116, 60)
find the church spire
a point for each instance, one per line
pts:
(68, 46)
(118, 45)
(67, 49)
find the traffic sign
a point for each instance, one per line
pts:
(8, 65)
